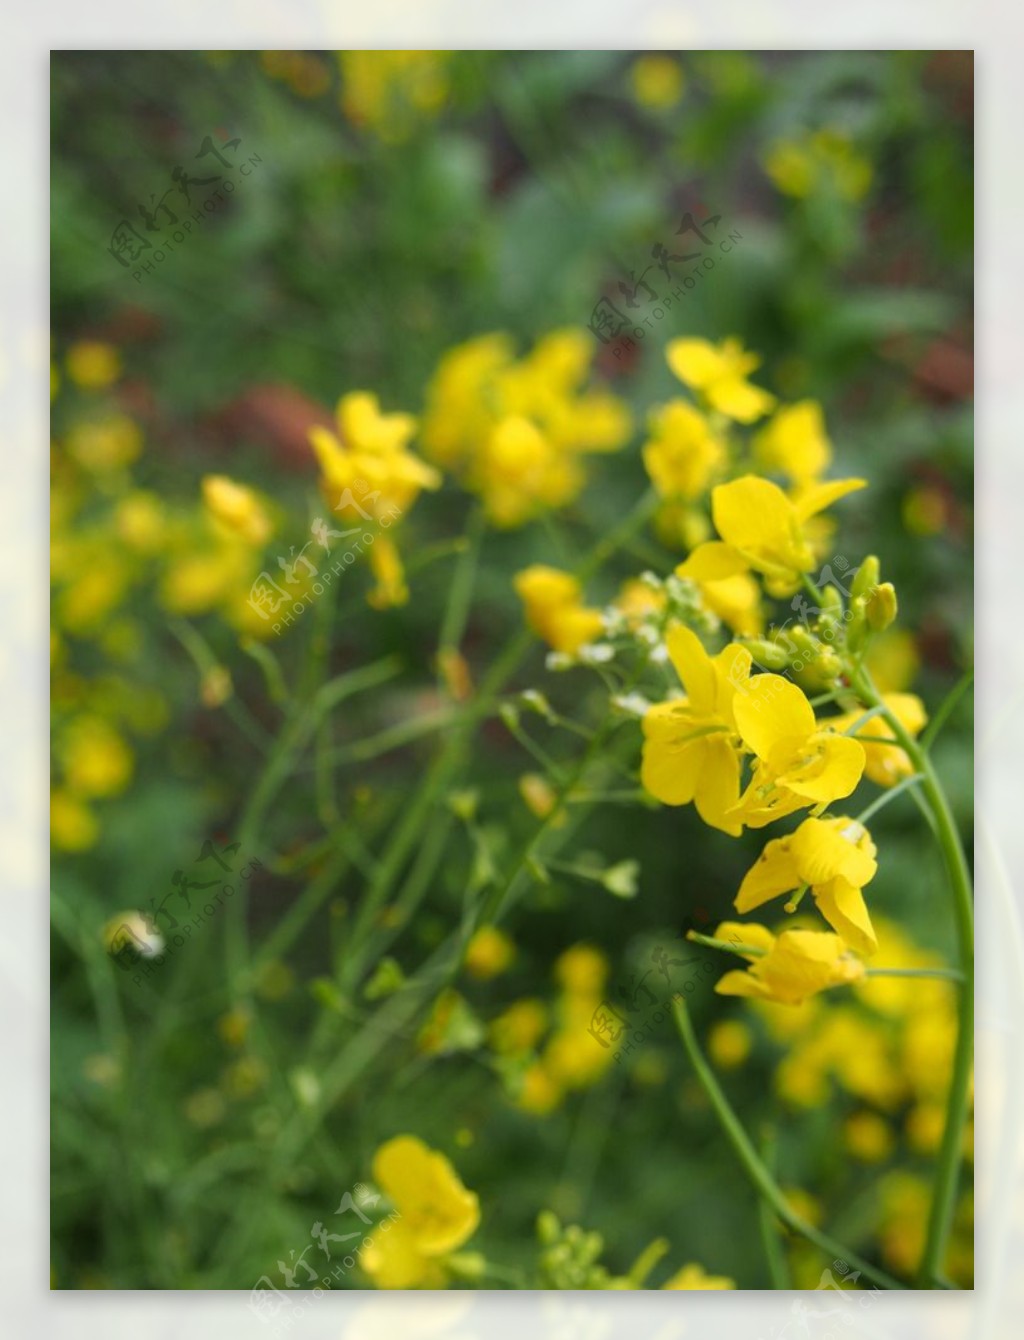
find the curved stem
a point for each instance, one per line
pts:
(951, 1149)
(764, 1183)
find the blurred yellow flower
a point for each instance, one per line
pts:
(582, 970)
(390, 92)
(657, 80)
(96, 760)
(436, 1215)
(238, 508)
(823, 159)
(718, 373)
(489, 952)
(682, 455)
(73, 825)
(105, 444)
(794, 443)
(868, 1137)
(885, 761)
(554, 609)
(519, 1028)
(696, 1277)
(729, 1043)
(93, 365)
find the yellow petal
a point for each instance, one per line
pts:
(739, 400)
(712, 562)
(437, 1209)
(819, 496)
(752, 513)
(843, 907)
(693, 666)
(829, 771)
(670, 772)
(826, 848)
(392, 1260)
(718, 784)
(771, 711)
(774, 873)
(695, 362)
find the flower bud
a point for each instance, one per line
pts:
(768, 654)
(866, 577)
(881, 607)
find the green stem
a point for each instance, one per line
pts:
(945, 974)
(765, 1185)
(951, 1149)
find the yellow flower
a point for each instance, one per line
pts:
(516, 431)
(582, 970)
(389, 571)
(793, 967)
(801, 167)
(794, 443)
(868, 1137)
(521, 473)
(238, 508)
(799, 763)
(140, 522)
(762, 529)
(696, 1277)
(657, 81)
(73, 825)
(638, 601)
(729, 1043)
(436, 1215)
(885, 761)
(718, 373)
(97, 762)
(105, 444)
(519, 1028)
(690, 744)
(93, 365)
(390, 92)
(836, 858)
(368, 461)
(540, 1093)
(682, 454)
(457, 417)
(489, 953)
(553, 604)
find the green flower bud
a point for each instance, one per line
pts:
(767, 654)
(867, 576)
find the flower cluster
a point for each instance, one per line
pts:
(518, 431)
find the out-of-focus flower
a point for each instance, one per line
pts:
(822, 160)
(792, 967)
(391, 92)
(107, 444)
(436, 1215)
(489, 953)
(553, 604)
(729, 1043)
(516, 432)
(97, 761)
(238, 508)
(682, 454)
(886, 761)
(93, 365)
(794, 443)
(519, 1028)
(658, 81)
(835, 858)
(868, 1137)
(691, 747)
(73, 826)
(718, 373)
(696, 1277)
